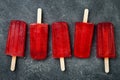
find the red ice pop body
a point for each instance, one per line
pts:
(105, 40)
(60, 40)
(83, 39)
(38, 41)
(16, 38)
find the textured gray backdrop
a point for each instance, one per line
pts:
(59, 10)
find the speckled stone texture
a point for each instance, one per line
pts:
(59, 10)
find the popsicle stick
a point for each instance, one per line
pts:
(13, 63)
(106, 64)
(85, 17)
(62, 64)
(39, 15)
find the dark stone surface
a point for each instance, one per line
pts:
(59, 10)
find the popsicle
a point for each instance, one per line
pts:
(83, 37)
(105, 43)
(16, 41)
(60, 42)
(38, 38)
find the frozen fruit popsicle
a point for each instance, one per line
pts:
(105, 42)
(16, 41)
(60, 42)
(83, 37)
(38, 38)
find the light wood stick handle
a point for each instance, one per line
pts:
(85, 17)
(39, 15)
(106, 64)
(62, 64)
(13, 63)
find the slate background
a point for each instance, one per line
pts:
(59, 10)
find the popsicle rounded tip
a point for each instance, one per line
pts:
(63, 69)
(86, 9)
(107, 71)
(12, 69)
(39, 9)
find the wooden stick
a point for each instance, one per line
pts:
(106, 64)
(13, 63)
(39, 15)
(62, 64)
(85, 17)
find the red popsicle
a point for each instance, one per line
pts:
(60, 42)
(16, 41)
(38, 38)
(83, 37)
(105, 42)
